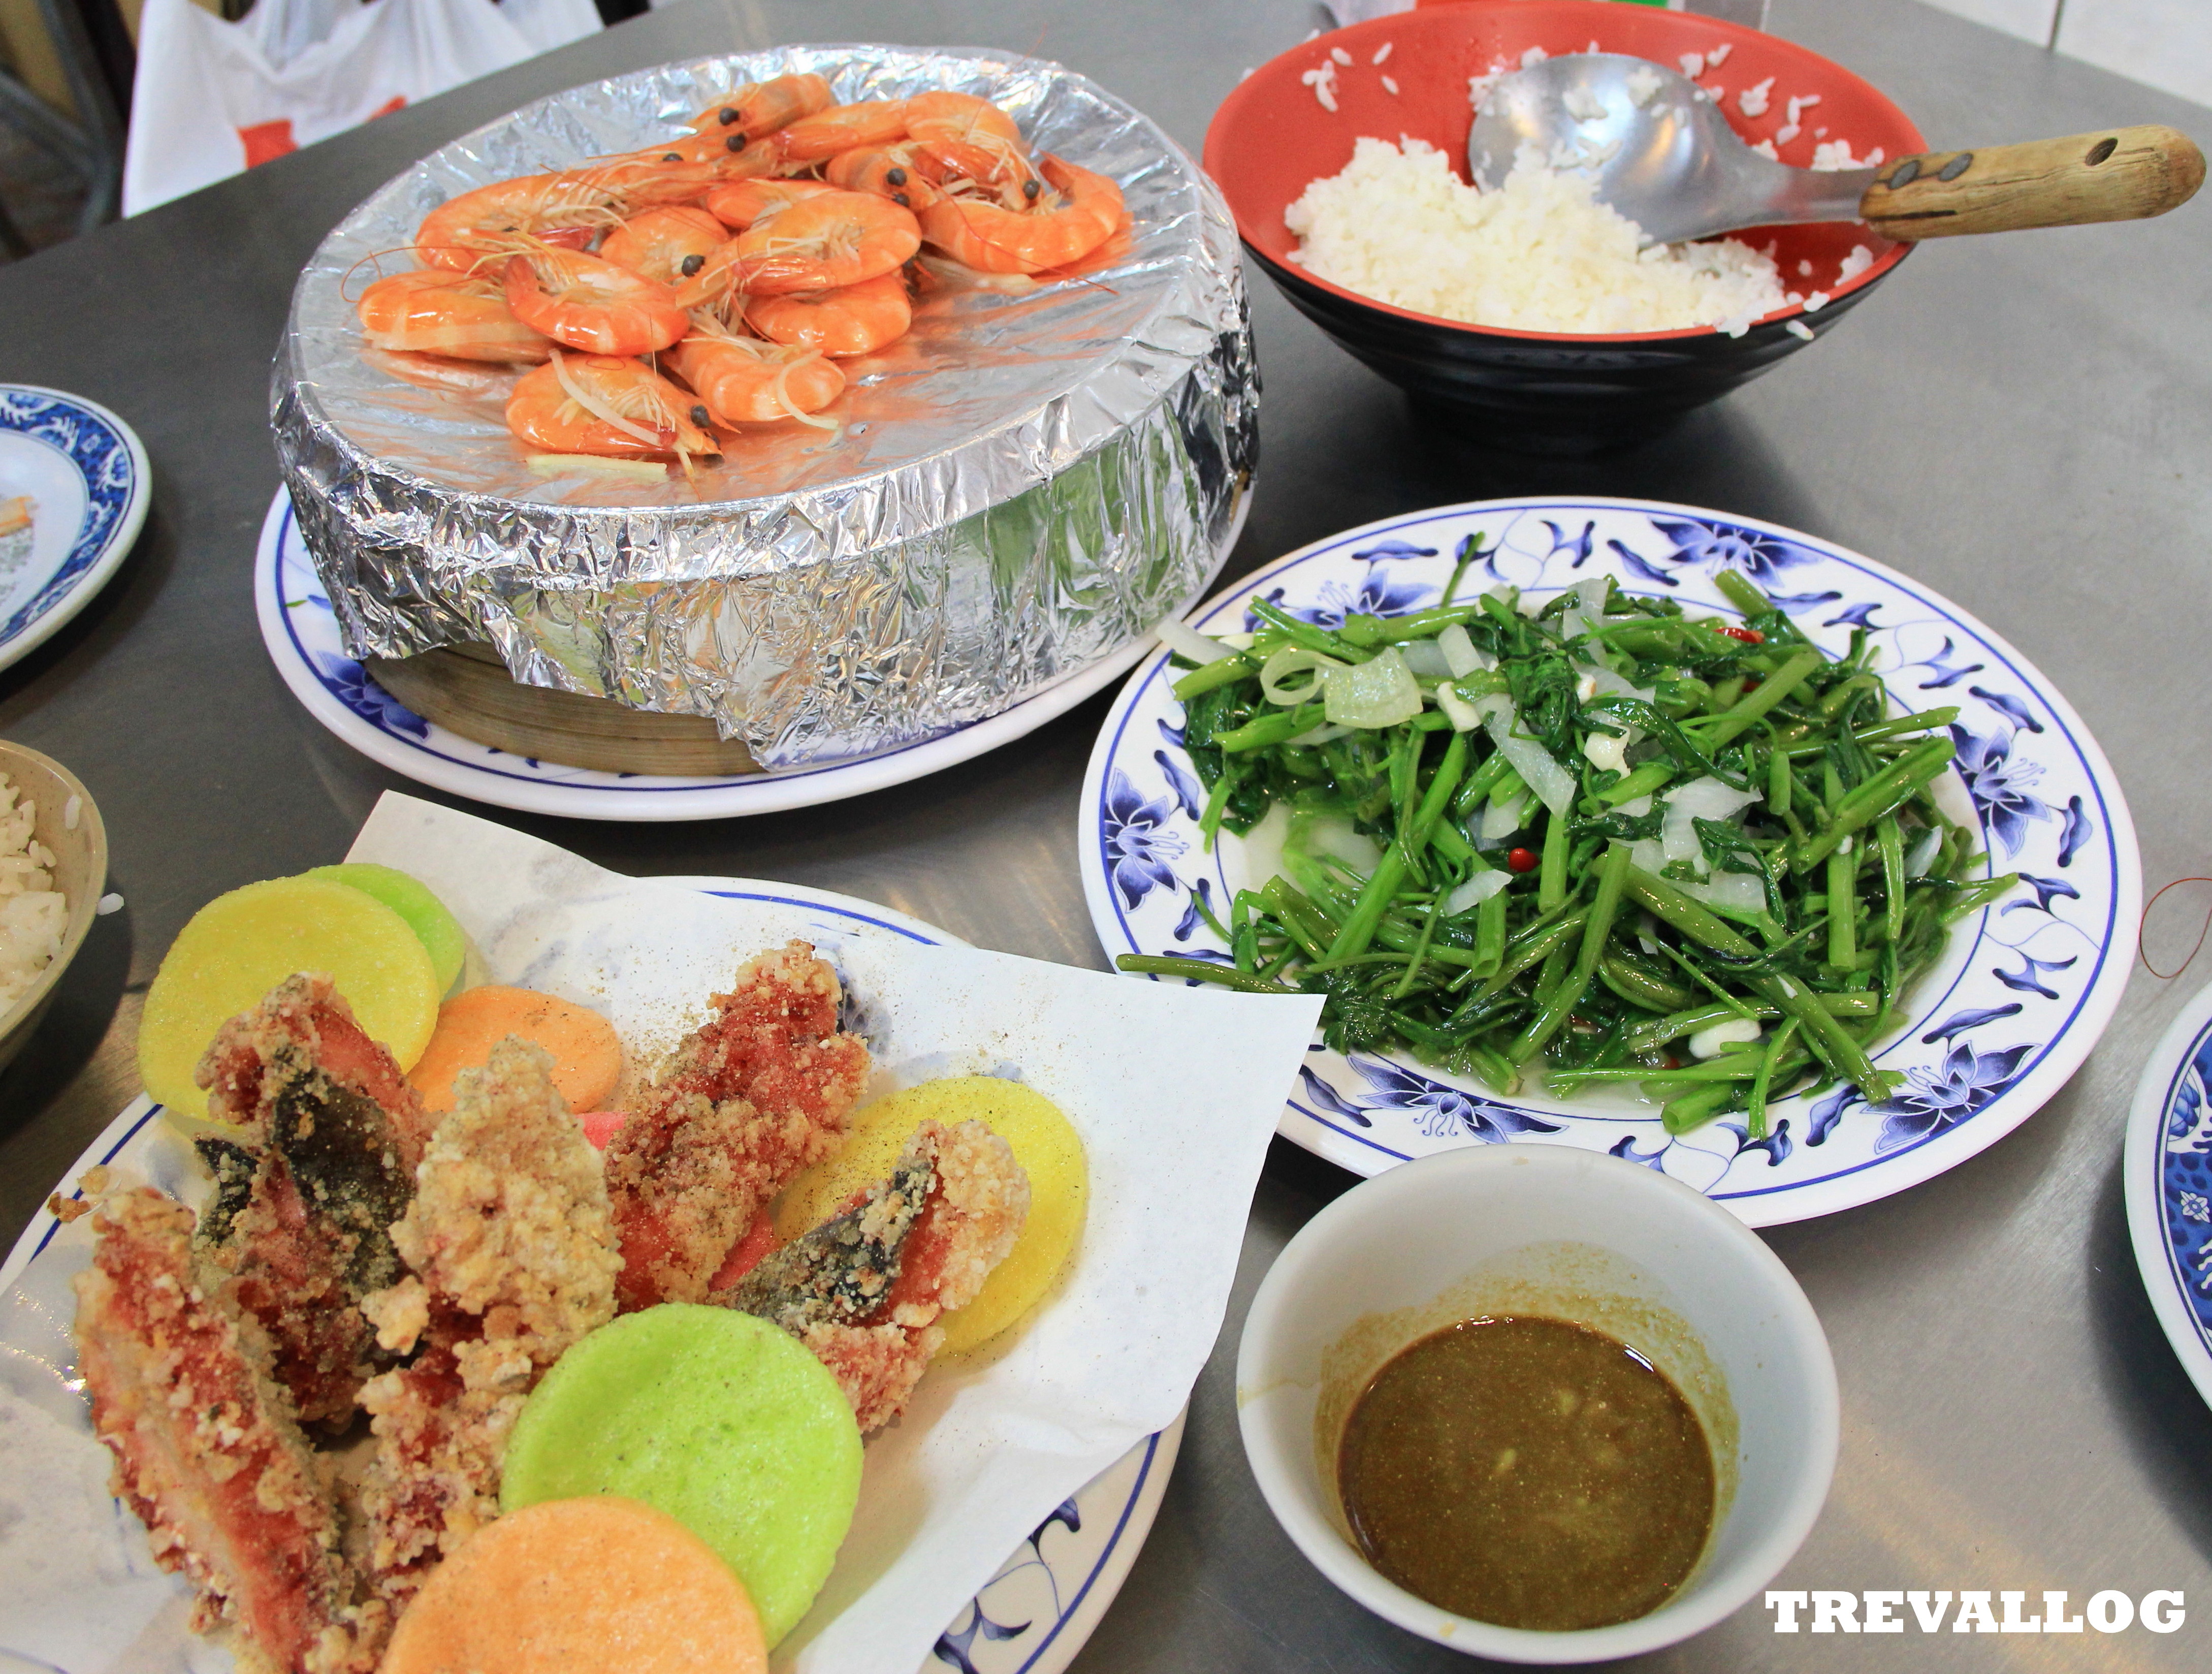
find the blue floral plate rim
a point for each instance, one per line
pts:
(111, 460)
(1060, 1580)
(1981, 1080)
(340, 695)
(2167, 1174)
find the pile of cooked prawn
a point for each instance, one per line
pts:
(361, 1257)
(670, 297)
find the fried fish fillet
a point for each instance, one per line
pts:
(864, 1289)
(757, 1094)
(207, 1450)
(329, 1134)
(511, 1256)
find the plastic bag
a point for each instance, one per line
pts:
(212, 98)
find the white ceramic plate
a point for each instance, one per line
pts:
(2168, 1176)
(2024, 989)
(1030, 1618)
(87, 471)
(301, 633)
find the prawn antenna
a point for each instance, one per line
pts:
(375, 257)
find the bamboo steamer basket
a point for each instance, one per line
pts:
(467, 690)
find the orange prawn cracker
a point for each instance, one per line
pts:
(581, 1586)
(586, 1052)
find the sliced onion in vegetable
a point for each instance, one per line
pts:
(1337, 837)
(1636, 807)
(1239, 641)
(1554, 786)
(1608, 683)
(1379, 692)
(1293, 660)
(1705, 798)
(1319, 735)
(1588, 608)
(1459, 654)
(1179, 635)
(1922, 854)
(1708, 1043)
(1725, 892)
(1729, 892)
(1425, 658)
(1501, 820)
(1462, 715)
(1475, 891)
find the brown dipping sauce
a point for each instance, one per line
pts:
(1528, 1472)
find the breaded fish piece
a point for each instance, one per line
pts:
(757, 1094)
(511, 1256)
(864, 1289)
(329, 1134)
(206, 1449)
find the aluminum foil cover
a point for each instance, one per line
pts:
(1017, 489)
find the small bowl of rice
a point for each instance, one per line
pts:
(1527, 313)
(53, 866)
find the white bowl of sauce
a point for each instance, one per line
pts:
(1538, 1404)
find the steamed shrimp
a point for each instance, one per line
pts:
(607, 405)
(830, 239)
(905, 173)
(730, 155)
(1070, 214)
(436, 311)
(762, 107)
(590, 303)
(968, 135)
(744, 380)
(873, 122)
(856, 319)
(664, 244)
(742, 202)
(461, 231)
(474, 381)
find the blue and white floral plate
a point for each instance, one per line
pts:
(86, 472)
(301, 633)
(2168, 1173)
(2024, 987)
(1029, 1618)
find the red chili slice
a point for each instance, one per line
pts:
(1521, 860)
(1748, 636)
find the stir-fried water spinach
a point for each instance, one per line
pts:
(1601, 842)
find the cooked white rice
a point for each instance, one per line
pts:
(33, 914)
(1540, 253)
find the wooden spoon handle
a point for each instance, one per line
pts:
(2119, 174)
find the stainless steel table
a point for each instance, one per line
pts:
(2024, 422)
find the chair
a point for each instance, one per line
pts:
(98, 62)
